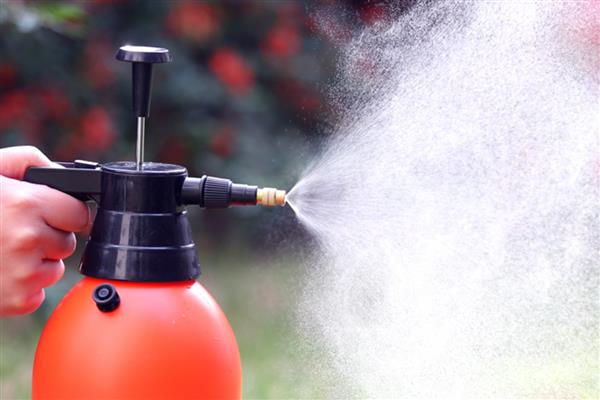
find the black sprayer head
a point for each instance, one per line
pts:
(141, 59)
(141, 231)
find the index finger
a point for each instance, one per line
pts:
(62, 211)
(14, 161)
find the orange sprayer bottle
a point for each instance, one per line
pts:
(138, 325)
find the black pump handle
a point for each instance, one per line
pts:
(80, 179)
(142, 58)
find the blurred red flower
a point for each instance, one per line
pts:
(13, 107)
(17, 110)
(195, 21)
(222, 142)
(299, 97)
(282, 41)
(54, 102)
(8, 74)
(373, 13)
(232, 70)
(97, 132)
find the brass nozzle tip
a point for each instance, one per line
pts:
(270, 197)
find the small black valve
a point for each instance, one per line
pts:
(106, 297)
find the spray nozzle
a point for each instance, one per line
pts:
(270, 197)
(212, 192)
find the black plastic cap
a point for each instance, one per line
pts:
(143, 54)
(106, 297)
(141, 59)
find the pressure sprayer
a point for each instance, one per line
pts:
(139, 325)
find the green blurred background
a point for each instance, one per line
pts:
(246, 97)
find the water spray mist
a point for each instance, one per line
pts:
(456, 208)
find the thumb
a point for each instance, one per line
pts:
(14, 161)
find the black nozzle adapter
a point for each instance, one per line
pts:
(212, 192)
(141, 59)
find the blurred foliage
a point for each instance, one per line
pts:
(244, 97)
(245, 76)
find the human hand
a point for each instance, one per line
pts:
(36, 225)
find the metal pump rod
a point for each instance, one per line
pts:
(139, 150)
(142, 58)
